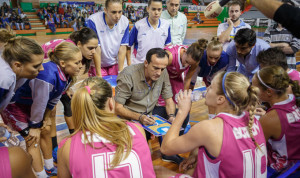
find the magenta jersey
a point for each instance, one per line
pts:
(294, 75)
(239, 157)
(88, 162)
(175, 71)
(5, 169)
(52, 44)
(286, 149)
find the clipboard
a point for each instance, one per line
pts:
(160, 127)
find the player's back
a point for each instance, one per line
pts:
(239, 157)
(86, 161)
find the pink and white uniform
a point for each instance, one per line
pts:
(86, 161)
(286, 149)
(175, 71)
(52, 44)
(239, 156)
(294, 75)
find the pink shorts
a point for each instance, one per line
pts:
(110, 70)
(5, 169)
(16, 116)
(181, 176)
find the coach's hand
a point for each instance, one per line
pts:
(145, 120)
(34, 137)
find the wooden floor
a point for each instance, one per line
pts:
(199, 110)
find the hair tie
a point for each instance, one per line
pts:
(223, 87)
(88, 89)
(258, 76)
(53, 50)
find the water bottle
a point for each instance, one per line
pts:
(196, 95)
(11, 139)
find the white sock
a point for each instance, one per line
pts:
(49, 163)
(41, 174)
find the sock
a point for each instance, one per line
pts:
(41, 174)
(71, 131)
(49, 163)
(54, 142)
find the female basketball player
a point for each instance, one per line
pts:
(87, 41)
(112, 29)
(213, 60)
(22, 57)
(281, 123)
(102, 145)
(29, 115)
(230, 145)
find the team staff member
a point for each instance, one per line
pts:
(139, 87)
(149, 32)
(177, 20)
(112, 29)
(226, 31)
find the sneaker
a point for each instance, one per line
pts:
(174, 158)
(51, 172)
(54, 154)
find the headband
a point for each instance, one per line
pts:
(224, 90)
(262, 82)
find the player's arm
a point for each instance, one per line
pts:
(271, 125)
(189, 76)
(128, 55)
(63, 156)
(199, 134)
(97, 61)
(225, 35)
(121, 57)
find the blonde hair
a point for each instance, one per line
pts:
(6, 34)
(21, 49)
(89, 115)
(64, 52)
(196, 50)
(241, 94)
(215, 44)
(276, 78)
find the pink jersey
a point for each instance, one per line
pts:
(5, 169)
(286, 149)
(239, 156)
(52, 44)
(175, 71)
(88, 162)
(294, 75)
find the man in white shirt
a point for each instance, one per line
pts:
(177, 20)
(226, 31)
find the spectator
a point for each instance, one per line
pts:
(19, 22)
(26, 22)
(280, 37)
(186, 11)
(197, 18)
(61, 10)
(63, 21)
(51, 23)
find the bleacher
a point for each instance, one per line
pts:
(38, 27)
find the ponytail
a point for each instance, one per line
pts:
(197, 49)
(215, 44)
(89, 114)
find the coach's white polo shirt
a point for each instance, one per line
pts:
(144, 37)
(110, 40)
